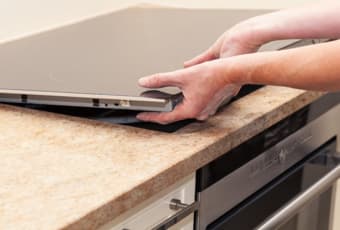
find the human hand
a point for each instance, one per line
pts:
(200, 82)
(201, 96)
(242, 38)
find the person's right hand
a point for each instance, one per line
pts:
(242, 38)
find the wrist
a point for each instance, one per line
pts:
(259, 30)
(235, 70)
(243, 69)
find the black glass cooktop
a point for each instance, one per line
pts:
(125, 117)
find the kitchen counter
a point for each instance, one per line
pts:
(62, 172)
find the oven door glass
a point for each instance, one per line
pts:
(270, 203)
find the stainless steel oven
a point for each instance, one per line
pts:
(281, 179)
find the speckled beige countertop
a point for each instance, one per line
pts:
(62, 172)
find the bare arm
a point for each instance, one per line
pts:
(228, 64)
(313, 68)
(320, 20)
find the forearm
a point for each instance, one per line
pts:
(320, 20)
(314, 67)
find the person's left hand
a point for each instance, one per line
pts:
(204, 87)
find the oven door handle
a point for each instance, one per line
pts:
(184, 211)
(297, 203)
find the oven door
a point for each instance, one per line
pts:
(300, 199)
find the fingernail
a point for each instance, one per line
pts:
(140, 116)
(143, 81)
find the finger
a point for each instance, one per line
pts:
(179, 113)
(161, 80)
(211, 54)
(203, 57)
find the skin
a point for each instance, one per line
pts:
(231, 61)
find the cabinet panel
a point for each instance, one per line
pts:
(156, 209)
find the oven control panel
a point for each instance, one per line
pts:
(283, 153)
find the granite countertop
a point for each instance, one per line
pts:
(61, 172)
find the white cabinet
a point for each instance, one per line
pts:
(157, 209)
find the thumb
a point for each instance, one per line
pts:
(159, 80)
(203, 57)
(210, 54)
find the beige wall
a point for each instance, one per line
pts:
(264, 4)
